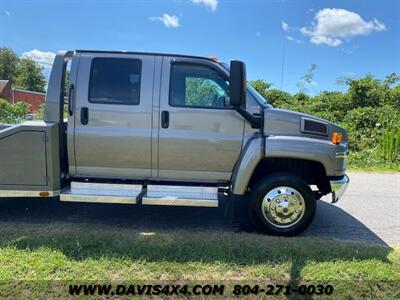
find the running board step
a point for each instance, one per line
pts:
(180, 196)
(101, 193)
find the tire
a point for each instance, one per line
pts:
(282, 204)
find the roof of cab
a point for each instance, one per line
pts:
(144, 53)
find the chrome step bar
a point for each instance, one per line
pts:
(101, 193)
(181, 196)
(132, 194)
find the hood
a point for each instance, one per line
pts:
(291, 123)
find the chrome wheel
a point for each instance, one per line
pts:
(283, 207)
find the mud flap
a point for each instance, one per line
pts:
(237, 210)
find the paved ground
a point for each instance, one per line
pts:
(369, 211)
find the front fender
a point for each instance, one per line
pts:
(296, 147)
(300, 147)
(251, 155)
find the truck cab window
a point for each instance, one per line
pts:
(194, 85)
(115, 81)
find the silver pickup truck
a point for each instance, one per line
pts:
(165, 129)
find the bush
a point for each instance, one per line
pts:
(369, 110)
(364, 127)
(13, 113)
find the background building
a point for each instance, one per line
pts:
(13, 95)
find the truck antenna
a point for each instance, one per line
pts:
(283, 64)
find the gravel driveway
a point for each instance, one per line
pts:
(369, 211)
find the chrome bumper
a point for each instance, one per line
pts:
(338, 187)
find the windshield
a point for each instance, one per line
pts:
(260, 99)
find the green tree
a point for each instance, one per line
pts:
(273, 96)
(260, 86)
(332, 106)
(279, 98)
(30, 76)
(201, 92)
(369, 91)
(365, 91)
(67, 82)
(392, 95)
(307, 79)
(395, 97)
(8, 64)
(390, 80)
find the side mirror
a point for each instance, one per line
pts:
(237, 83)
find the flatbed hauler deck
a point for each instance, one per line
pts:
(163, 129)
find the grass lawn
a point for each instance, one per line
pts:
(43, 259)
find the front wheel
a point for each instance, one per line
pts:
(282, 204)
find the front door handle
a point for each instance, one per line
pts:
(165, 119)
(84, 115)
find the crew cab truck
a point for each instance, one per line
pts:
(164, 129)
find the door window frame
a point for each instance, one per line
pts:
(203, 64)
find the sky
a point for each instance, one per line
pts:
(278, 39)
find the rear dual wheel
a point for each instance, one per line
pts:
(282, 204)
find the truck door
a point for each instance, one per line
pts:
(112, 116)
(200, 135)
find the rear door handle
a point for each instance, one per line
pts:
(84, 115)
(164, 119)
